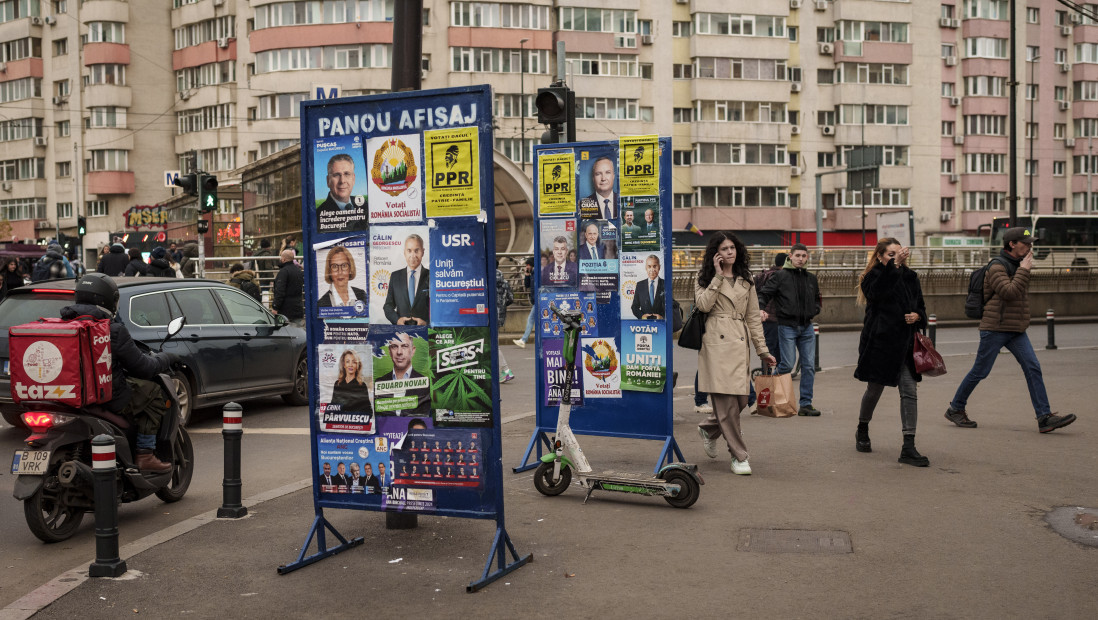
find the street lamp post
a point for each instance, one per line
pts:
(1033, 121)
(522, 101)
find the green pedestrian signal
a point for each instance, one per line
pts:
(81, 226)
(207, 194)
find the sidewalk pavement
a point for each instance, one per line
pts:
(964, 538)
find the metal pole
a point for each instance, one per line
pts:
(1032, 119)
(932, 327)
(232, 430)
(407, 45)
(816, 335)
(522, 101)
(1050, 320)
(1090, 168)
(1012, 195)
(819, 211)
(107, 563)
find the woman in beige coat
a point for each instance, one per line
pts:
(725, 290)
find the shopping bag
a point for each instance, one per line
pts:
(774, 396)
(927, 361)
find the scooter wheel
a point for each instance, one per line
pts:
(544, 483)
(48, 514)
(688, 489)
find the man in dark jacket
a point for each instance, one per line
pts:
(159, 267)
(52, 265)
(189, 265)
(1003, 324)
(795, 294)
(245, 280)
(289, 290)
(137, 267)
(114, 263)
(133, 395)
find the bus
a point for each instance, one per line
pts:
(1062, 240)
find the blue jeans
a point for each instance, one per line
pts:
(530, 320)
(803, 339)
(990, 345)
(700, 397)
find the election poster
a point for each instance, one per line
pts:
(552, 354)
(601, 368)
(439, 458)
(459, 290)
(566, 301)
(340, 184)
(640, 223)
(453, 172)
(557, 183)
(342, 273)
(558, 246)
(346, 383)
(395, 194)
(643, 350)
(643, 287)
(461, 376)
(598, 258)
(354, 465)
(639, 165)
(346, 331)
(598, 184)
(400, 283)
(402, 369)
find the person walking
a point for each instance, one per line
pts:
(11, 277)
(189, 265)
(289, 290)
(894, 311)
(137, 267)
(531, 319)
(159, 266)
(725, 290)
(796, 296)
(113, 262)
(244, 279)
(1003, 324)
(504, 297)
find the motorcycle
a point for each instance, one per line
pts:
(55, 481)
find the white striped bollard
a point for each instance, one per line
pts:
(816, 335)
(232, 429)
(1050, 320)
(932, 327)
(104, 470)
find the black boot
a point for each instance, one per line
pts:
(861, 438)
(910, 456)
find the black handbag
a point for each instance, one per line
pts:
(693, 329)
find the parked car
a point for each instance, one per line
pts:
(233, 348)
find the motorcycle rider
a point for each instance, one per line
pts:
(133, 395)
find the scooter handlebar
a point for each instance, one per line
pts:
(571, 320)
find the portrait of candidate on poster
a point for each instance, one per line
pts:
(558, 246)
(640, 223)
(400, 280)
(341, 190)
(597, 184)
(346, 388)
(341, 269)
(402, 385)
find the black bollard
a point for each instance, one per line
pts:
(1050, 320)
(932, 328)
(401, 520)
(816, 334)
(232, 429)
(104, 470)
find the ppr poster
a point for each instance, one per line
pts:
(461, 371)
(639, 165)
(643, 350)
(459, 289)
(601, 368)
(552, 351)
(557, 183)
(453, 172)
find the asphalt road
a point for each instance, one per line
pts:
(965, 538)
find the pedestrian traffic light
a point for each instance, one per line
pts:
(81, 226)
(207, 193)
(189, 183)
(552, 104)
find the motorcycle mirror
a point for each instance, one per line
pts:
(176, 325)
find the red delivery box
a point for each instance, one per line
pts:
(61, 361)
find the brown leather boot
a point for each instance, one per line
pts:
(147, 462)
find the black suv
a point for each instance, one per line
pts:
(233, 348)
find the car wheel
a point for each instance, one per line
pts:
(15, 418)
(183, 392)
(300, 395)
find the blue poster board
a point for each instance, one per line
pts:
(602, 223)
(399, 267)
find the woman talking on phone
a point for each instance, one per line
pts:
(725, 290)
(894, 311)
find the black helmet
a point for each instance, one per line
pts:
(97, 289)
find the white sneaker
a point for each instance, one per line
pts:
(742, 468)
(708, 444)
(520, 343)
(705, 409)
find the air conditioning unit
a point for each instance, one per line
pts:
(40, 141)
(794, 4)
(953, 178)
(795, 171)
(50, 20)
(647, 39)
(219, 2)
(36, 21)
(1064, 68)
(1069, 142)
(951, 61)
(59, 100)
(821, 5)
(823, 214)
(682, 1)
(946, 22)
(828, 130)
(1064, 105)
(958, 140)
(827, 48)
(794, 129)
(6, 186)
(1065, 30)
(947, 215)
(956, 22)
(954, 101)
(1076, 18)
(223, 42)
(795, 87)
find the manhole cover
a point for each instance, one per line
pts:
(1075, 523)
(794, 541)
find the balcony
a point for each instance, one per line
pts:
(111, 182)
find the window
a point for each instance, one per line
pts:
(855, 31)
(62, 88)
(496, 15)
(825, 118)
(857, 114)
(369, 56)
(198, 306)
(1033, 53)
(740, 154)
(1058, 203)
(877, 197)
(105, 32)
(206, 75)
(947, 166)
(792, 30)
(1085, 91)
(494, 60)
(985, 86)
(682, 29)
(1031, 92)
(20, 129)
(825, 35)
(1031, 131)
(613, 65)
(682, 72)
(946, 11)
(106, 74)
(683, 201)
(221, 115)
(947, 204)
(25, 88)
(60, 47)
(644, 26)
(1059, 168)
(947, 128)
(985, 124)
(1060, 93)
(107, 116)
(1061, 18)
(223, 27)
(682, 115)
(825, 160)
(948, 89)
(1060, 55)
(23, 209)
(740, 25)
(107, 159)
(1031, 168)
(242, 309)
(606, 108)
(150, 310)
(737, 196)
(60, 6)
(64, 210)
(825, 76)
(740, 68)
(948, 49)
(984, 201)
(96, 208)
(871, 73)
(645, 70)
(681, 158)
(617, 21)
(25, 168)
(64, 129)
(1033, 15)
(64, 169)
(985, 47)
(987, 9)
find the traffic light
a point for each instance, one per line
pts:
(207, 193)
(81, 226)
(189, 183)
(552, 104)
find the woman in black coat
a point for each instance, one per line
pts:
(11, 278)
(894, 312)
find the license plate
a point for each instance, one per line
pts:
(30, 462)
